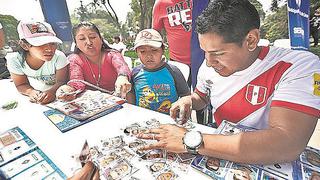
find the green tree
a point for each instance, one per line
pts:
(276, 25)
(9, 24)
(141, 15)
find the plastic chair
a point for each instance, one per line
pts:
(182, 67)
(285, 43)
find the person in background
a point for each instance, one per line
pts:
(315, 27)
(4, 73)
(118, 45)
(274, 90)
(38, 69)
(156, 84)
(94, 65)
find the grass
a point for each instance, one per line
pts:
(315, 50)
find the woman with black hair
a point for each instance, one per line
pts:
(94, 64)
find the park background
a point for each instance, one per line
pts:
(134, 15)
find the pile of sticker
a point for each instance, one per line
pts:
(120, 158)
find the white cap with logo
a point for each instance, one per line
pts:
(148, 37)
(37, 33)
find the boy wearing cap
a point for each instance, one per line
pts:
(156, 84)
(38, 69)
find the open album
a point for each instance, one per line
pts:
(88, 106)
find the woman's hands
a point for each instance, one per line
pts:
(122, 86)
(66, 93)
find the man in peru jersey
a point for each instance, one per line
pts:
(274, 90)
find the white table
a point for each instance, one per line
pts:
(60, 147)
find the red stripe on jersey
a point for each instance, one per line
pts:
(297, 107)
(201, 94)
(249, 99)
(264, 51)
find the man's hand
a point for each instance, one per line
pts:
(181, 109)
(169, 137)
(88, 172)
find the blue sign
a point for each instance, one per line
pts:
(56, 13)
(298, 12)
(197, 54)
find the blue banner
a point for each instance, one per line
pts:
(56, 13)
(298, 12)
(197, 54)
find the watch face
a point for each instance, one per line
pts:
(192, 139)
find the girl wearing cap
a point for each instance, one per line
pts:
(94, 65)
(38, 69)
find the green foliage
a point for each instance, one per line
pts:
(9, 24)
(259, 8)
(315, 50)
(276, 25)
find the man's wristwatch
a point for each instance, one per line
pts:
(192, 140)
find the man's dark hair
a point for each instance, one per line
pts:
(231, 19)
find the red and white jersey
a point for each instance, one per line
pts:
(279, 77)
(175, 16)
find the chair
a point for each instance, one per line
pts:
(285, 43)
(182, 67)
(264, 42)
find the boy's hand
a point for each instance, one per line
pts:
(46, 97)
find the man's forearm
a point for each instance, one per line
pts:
(198, 103)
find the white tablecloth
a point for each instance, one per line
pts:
(60, 147)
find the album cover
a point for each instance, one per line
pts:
(87, 105)
(22, 159)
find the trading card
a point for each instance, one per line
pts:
(311, 157)
(38, 171)
(182, 166)
(230, 129)
(124, 153)
(166, 174)
(214, 167)
(309, 173)
(153, 154)
(267, 175)
(127, 130)
(242, 171)
(171, 157)
(186, 156)
(84, 154)
(94, 153)
(108, 160)
(120, 170)
(157, 166)
(284, 170)
(152, 123)
(112, 143)
(22, 163)
(188, 125)
(136, 143)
